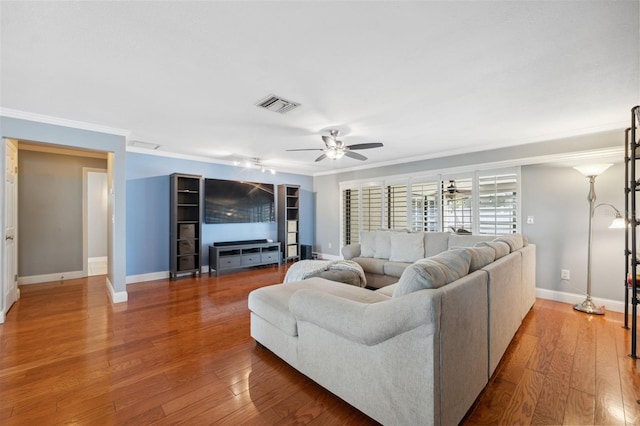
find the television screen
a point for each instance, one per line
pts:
(228, 201)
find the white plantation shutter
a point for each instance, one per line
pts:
(396, 204)
(351, 217)
(497, 203)
(484, 202)
(457, 206)
(424, 206)
(371, 208)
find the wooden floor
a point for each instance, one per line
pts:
(179, 352)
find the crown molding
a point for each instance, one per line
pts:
(40, 118)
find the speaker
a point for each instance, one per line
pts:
(305, 252)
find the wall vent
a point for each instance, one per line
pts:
(144, 145)
(277, 104)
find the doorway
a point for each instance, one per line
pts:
(94, 220)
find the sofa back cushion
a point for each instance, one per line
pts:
(406, 246)
(457, 240)
(479, 256)
(515, 241)
(433, 272)
(500, 247)
(383, 244)
(435, 243)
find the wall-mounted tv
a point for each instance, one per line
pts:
(228, 201)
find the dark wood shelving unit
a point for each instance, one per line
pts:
(186, 224)
(632, 187)
(289, 221)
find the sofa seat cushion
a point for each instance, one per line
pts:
(271, 303)
(395, 269)
(434, 272)
(373, 266)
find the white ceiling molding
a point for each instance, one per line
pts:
(40, 118)
(614, 155)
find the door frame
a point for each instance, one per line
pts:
(4, 305)
(85, 215)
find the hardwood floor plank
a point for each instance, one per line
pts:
(521, 407)
(179, 352)
(580, 408)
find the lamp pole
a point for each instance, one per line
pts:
(587, 305)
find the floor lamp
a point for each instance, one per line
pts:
(591, 171)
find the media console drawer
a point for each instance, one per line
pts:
(230, 256)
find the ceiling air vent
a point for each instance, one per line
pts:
(277, 104)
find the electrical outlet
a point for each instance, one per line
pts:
(329, 244)
(565, 274)
(529, 220)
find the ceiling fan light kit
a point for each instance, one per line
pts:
(336, 149)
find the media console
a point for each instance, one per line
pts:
(242, 254)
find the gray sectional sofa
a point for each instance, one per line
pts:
(384, 254)
(419, 351)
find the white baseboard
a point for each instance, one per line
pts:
(99, 259)
(116, 296)
(132, 279)
(45, 278)
(572, 298)
(2, 317)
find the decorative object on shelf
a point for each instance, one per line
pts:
(336, 149)
(185, 218)
(591, 171)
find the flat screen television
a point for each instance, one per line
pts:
(229, 201)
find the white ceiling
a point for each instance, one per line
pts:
(425, 78)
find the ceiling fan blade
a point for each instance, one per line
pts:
(305, 149)
(329, 141)
(322, 157)
(366, 145)
(355, 155)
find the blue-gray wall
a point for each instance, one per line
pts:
(148, 209)
(115, 146)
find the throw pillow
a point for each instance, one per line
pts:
(367, 244)
(500, 247)
(433, 272)
(406, 247)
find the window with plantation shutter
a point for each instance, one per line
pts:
(371, 208)
(457, 205)
(497, 203)
(468, 201)
(423, 214)
(351, 220)
(396, 206)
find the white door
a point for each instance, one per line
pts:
(11, 292)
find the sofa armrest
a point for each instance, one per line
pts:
(350, 251)
(367, 323)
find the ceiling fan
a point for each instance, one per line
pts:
(453, 193)
(336, 149)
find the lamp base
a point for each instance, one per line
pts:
(589, 307)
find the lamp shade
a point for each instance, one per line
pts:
(592, 169)
(618, 223)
